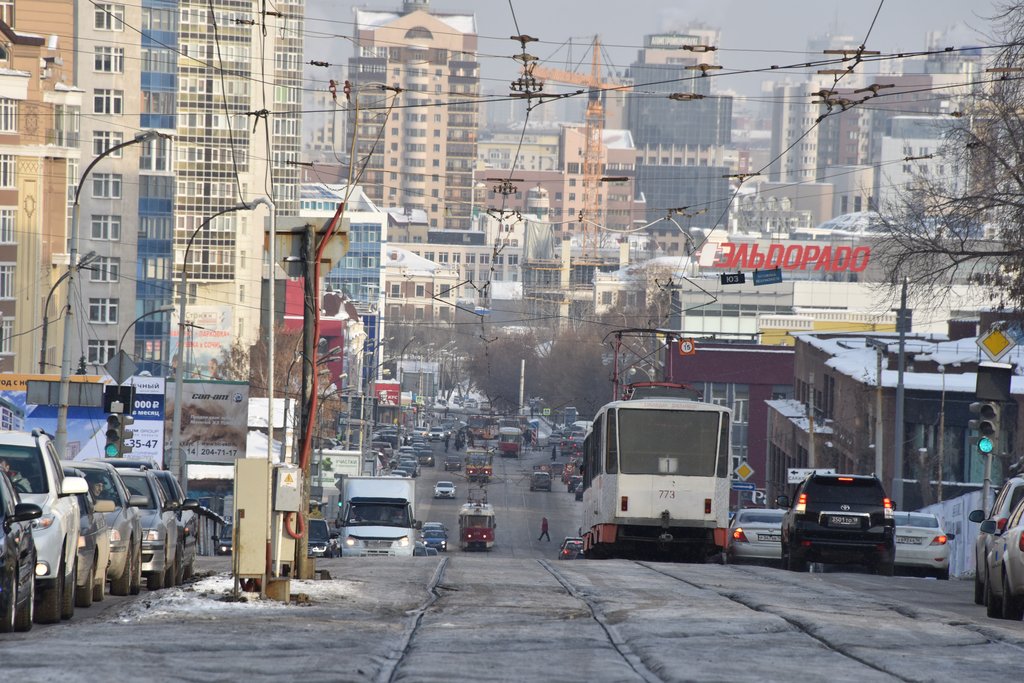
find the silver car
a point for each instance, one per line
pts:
(160, 562)
(755, 536)
(921, 544)
(1009, 496)
(125, 524)
(1004, 566)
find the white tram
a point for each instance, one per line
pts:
(656, 480)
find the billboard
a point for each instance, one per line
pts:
(147, 440)
(214, 420)
(207, 336)
(387, 393)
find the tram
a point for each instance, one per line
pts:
(656, 480)
(476, 523)
(510, 442)
(483, 427)
(478, 466)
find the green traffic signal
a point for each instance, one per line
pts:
(985, 444)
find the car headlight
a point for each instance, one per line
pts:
(44, 522)
(351, 541)
(403, 542)
(153, 535)
(115, 536)
(81, 541)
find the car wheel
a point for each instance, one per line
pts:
(26, 613)
(179, 566)
(99, 588)
(979, 589)
(794, 564)
(136, 571)
(122, 585)
(10, 604)
(885, 568)
(49, 605)
(83, 595)
(67, 607)
(1012, 608)
(993, 606)
(942, 574)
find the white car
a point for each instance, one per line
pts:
(444, 489)
(1004, 566)
(437, 433)
(755, 535)
(921, 544)
(35, 471)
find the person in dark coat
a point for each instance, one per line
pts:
(544, 529)
(554, 452)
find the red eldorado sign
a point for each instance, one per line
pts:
(744, 256)
(388, 393)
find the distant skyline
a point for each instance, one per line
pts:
(754, 34)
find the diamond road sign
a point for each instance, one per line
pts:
(995, 344)
(121, 367)
(744, 471)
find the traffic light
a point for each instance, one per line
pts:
(113, 447)
(986, 424)
(126, 434)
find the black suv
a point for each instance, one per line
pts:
(841, 519)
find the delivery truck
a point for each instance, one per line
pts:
(378, 517)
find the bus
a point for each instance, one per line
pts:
(656, 480)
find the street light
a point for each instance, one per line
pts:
(88, 258)
(61, 437)
(162, 309)
(179, 370)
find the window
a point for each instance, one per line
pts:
(8, 115)
(7, 170)
(7, 226)
(105, 269)
(109, 59)
(109, 17)
(106, 186)
(7, 281)
(106, 101)
(6, 336)
(420, 291)
(103, 311)
(102, 140)
(396, 291)
(100, 351)
(106, 227)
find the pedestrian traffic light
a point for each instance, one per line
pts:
(113, 447)
(986, 424)
(127, 434)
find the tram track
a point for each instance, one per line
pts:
(390, 668)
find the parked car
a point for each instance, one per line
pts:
(921, 544)
(1004, 567)
(223, 542)
(188, 523)
(319, 544)
(436, 538)
(93, 545)
(1006, 500)
(840, 519)
(444, 489)
(755, 536)
(574, 481)
(31, 463)
(124, 523)
(571, 549)
(17, 559)
(399, 472)
(160, 561)
(452, 462)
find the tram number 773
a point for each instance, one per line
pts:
(656, 480)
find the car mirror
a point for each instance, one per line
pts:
(72, 486)
(976, 516)
(171, 505)
(782, 501)
(417, 524)
(190, 504)
(104, 505)
(950, 536)
(23, 512)
(137, 501)
(988, 526)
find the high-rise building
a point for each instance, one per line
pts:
(227, 92)
(421, 154)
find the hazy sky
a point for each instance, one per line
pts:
(754, 34)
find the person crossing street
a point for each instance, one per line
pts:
(544, 529)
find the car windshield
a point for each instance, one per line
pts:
(139, 485)
(24, 465)
(101, 483)
(433, 533)
(225, 533)
(378, 514)
(911, 519)
(761, 517)
(445, 485)
(318, 531)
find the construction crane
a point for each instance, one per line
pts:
(594, 140)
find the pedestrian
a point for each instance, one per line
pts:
(544, 529)
(554, 451)
(447, 440)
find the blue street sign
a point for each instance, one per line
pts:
(768, 277)
(743, 486)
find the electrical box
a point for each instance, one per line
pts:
(251, 517)
(287, 488)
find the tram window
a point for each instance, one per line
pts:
(723, 448)
(685, 443)
(611, 458)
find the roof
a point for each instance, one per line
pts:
(398, 215)
(408, 262)
(618, 138)
(358, 201)
(463, 23)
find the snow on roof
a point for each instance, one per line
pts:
(64, 87)
(358, 201)
(397, 214)
(463, 23)
(860, 222)
(618, 138)
(505, 290)
(796, 412)
(675, 264)
(398, 258)
(15, 72)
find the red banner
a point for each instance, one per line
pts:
(387, 393)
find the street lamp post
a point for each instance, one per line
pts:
(88, 258)
(155, 311)
(61, 436)
(179, 370)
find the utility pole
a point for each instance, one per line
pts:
(896, 492)
(303, 566)
(522, 383)
(811, 455)
(942, 432)
(879, 462)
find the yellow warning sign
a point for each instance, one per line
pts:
(744, 471)
(289, 479)
(995, 344)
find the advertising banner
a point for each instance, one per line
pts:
(147, 432)
(207, 334)
(214, 420)
(86, 425)
(387, 393)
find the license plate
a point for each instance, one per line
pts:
(909, 540)
(777, 538)
(843, 520)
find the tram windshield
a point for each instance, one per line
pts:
(476, 521)
(678, 442)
